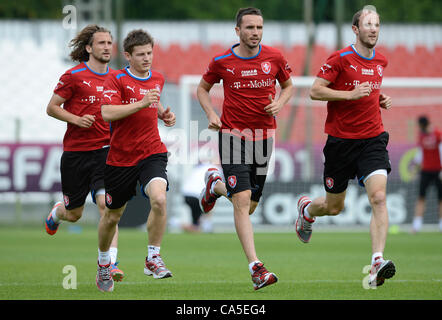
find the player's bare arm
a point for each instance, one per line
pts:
(116, 112)
(167, 115)
(321, 91)
(204, 98)
(55, 110)
(284, 96)
(385, 101)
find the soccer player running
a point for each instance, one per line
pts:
(131, 103)
(350, 81)
(86, 141)
(249, 71)
(429, 141)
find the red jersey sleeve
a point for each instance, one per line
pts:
(331, 68)
(162, 83)
(284, 70)
(111, 92)
(65, 86)
(212, 75)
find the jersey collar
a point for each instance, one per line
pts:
(97, 73)
(138, 78)
(354, 49)
(235, 45)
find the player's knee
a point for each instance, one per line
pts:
(101, 204)
(242, 199)
(378, 198)
(101, 207)
(158, 202)
(112, 217)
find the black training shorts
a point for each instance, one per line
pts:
(121, 182)
(245, 163)
(346, 159)
(428, 178)
(81, 172)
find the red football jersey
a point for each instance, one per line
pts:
(358, 119)
(82, 88)
(429, 144)
(135, 137)
(247, 83)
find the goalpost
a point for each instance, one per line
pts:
(297, 160)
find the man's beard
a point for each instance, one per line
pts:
(252, 46)
(101, 59)
(368, 44)
(248, 44)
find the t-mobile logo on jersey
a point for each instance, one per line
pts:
(90, 99)
(375, 85)
(252, 84)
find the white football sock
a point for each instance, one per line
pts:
(152, 251)
(417, 223)
(376, 255)
(103, 257)
(440, 224)
(113, 254)
(251, 266)
(54, 215)
(306, 213)
(212, 187)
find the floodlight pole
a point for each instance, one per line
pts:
(119, 16)
(309, 22)
(339, 19)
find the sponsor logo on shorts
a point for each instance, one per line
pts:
(232, 181)
(329, 182)
(66, 200)
(108, 198)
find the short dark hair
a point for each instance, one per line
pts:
(137, 37)
(84, 37)
(357, 15)
(244, 11)
(423, 121)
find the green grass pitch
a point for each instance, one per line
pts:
(213, 266)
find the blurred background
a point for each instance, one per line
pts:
(34, 37)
